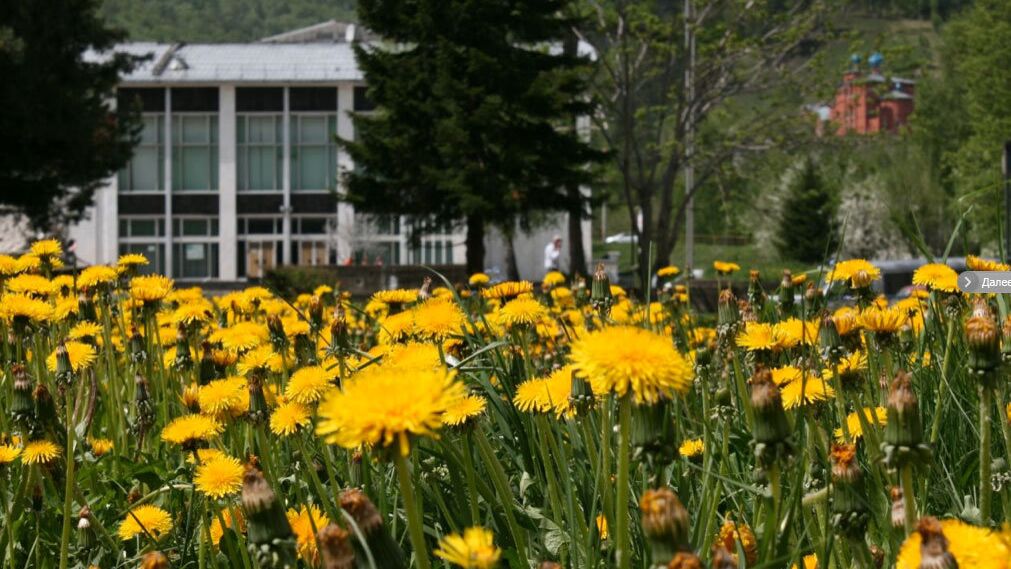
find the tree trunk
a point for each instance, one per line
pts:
(577, 254)
(475, 244)
(512, 268)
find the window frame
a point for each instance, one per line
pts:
(213, 146)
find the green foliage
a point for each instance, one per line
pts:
(470, 110)
(219, 20)
(62, 138)
(807, 225)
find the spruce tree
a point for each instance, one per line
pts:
(474, 100)
(807, 226)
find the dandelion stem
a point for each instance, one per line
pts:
(985, 430)
(908, 497)
(68, 493)
(468, 461)
(623, 547)
(942, 390)
(414, 520)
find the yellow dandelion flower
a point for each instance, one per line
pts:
(219, 477)
(189, 429)
(602, 529)
(793, 332)
(241, 336)
(887, 321)
(288, 418)
(936, 276)
(305, 522)
(8, 454)
(233, 519)
(192, 311)
(804, 391)
(731, 534)
(522, 312)
(396, 296)
(261, 357)
(100, 447)
(40, 452)
(205, 455)
(20, 306)
(229, 395)
(478, 279)
(96, 275)
(396, 327)
(27, 264)
(668, 271)
(757, 336)
(974, 263)
(31, 284)
(618, 291)
(8, 265)
(858, 272)
(143, 521)
(809, 562)
(620, 359)
(438, 319)
(464, 409)
(725, 268)
(508, 289)
(150, 288)
(47, 248)
(546, 395)
(847, 320)
(474, 549)
(382, 406)
(86, 329)
(553, 278)
(131, 260)
(873, 416)
(692, 448)
(971, 546)
(308, 385)
(81, 356)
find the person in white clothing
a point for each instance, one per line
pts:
(552, 254)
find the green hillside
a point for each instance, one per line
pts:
(219, 20)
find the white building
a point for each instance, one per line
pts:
(237, 169)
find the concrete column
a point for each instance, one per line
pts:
(227, 185)
(168, 182)
(286, 181)
(107, 222)
(345, 211)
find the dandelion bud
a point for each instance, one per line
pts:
(830, 342)
(549, 565)
(22, 406)
(143, 408)
(600, 290)
(86, 306)
(1006, 339)
(64, 369)
(665, 523)
(270, 538)
(934, 552)
(37, 498)
(183, 359)
(861, 279)
(259, 412)
(278, 339)
(138, 351)
(315, 314)
(191, 397)
(134, 495)
(335, 546)
(86, 537)
(786, 292)
(385, 549)
(983, 339)
(47, 424)
(685, 560)
(339, 335)
(898, 507)
(653, 433)
(305, 352)
(424, 292)
(771, 427)
(903, 439)
(756, 296)
(814, 300)
(849, 498)
(727, 314)
(154, 560)
(207, 370)
(733, 535)
(580, 394)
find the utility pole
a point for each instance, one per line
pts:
(689, 134)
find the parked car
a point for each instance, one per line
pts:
(619, 238)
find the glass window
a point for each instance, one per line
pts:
(145, 171)
(257, 257)
(195, 260)
(260, 152)
(313, 152)
(155, 253)
(311, 225)
(260, 226)
(141, 227)
(194, 227)
(195, 152)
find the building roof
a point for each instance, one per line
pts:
(328, 31)
(240, 63)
